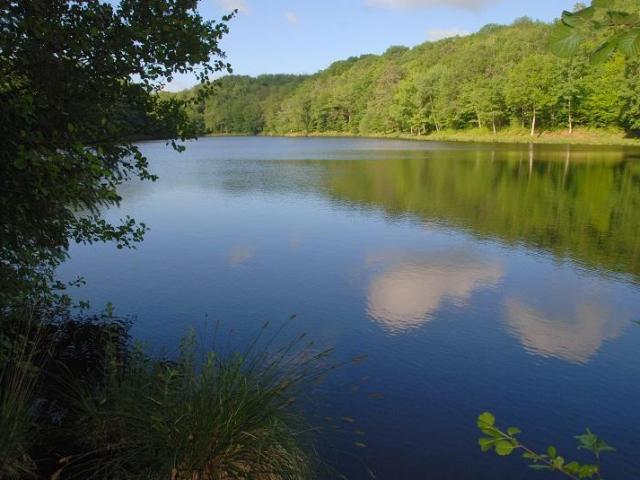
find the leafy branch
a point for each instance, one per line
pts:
(622, 30)
(504, 443)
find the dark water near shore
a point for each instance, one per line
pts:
(474, 277)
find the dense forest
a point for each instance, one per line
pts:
(502, 77)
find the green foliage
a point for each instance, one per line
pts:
(78, 83)
(613, 24)
(17, 395)
(16, 424)
(505, 443)
(592, 443)
(531, 87)
(78, 398)
(499, 77)
(539, 204)
(230, 416)
(240, 104)
(41, 347)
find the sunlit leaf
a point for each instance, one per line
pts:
(629, 44)
(486, 443)
(578, 19)
(486, 420)
(504, 447)
(564, 41)
(602, 53)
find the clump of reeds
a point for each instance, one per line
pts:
(221, 416)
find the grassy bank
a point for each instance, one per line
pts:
(580, 136)
(78, 400)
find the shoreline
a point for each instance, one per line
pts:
(578, 137)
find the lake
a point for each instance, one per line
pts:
(473, 277)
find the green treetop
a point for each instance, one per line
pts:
(78, 83)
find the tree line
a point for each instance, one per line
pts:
(502, 77)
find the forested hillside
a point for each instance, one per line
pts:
(500, 77)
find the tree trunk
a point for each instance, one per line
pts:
(533, 123)
(479, 121)
(493, 125)
(570, 118)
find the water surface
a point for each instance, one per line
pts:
(474, 277)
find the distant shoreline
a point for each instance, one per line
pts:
(578, 137)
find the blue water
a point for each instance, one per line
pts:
(459, 304)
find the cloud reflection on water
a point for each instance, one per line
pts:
(240, 254)
(410, 289)
(575, 333)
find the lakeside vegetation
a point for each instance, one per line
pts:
(501, 83)
(514, 135)
(80, 400)
(76, 399)
(78, 86)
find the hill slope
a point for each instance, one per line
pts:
(501, 77)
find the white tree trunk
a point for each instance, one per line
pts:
(533, 123)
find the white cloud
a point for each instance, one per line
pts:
(291, 17)
(466, 4)
(240, 5)
(439, 33)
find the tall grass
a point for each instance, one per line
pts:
(16, 424)
(77, 401)
(19, 345)
(204, 416)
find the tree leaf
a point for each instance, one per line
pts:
(486, 443)
(558, 462)
(629, 43)
(578, 19)
(504, 448)
(564, 40)
(486, 419)
(621, 18)
(603, 52)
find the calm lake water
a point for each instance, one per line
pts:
(473, 277)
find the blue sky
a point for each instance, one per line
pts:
(304, 36)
